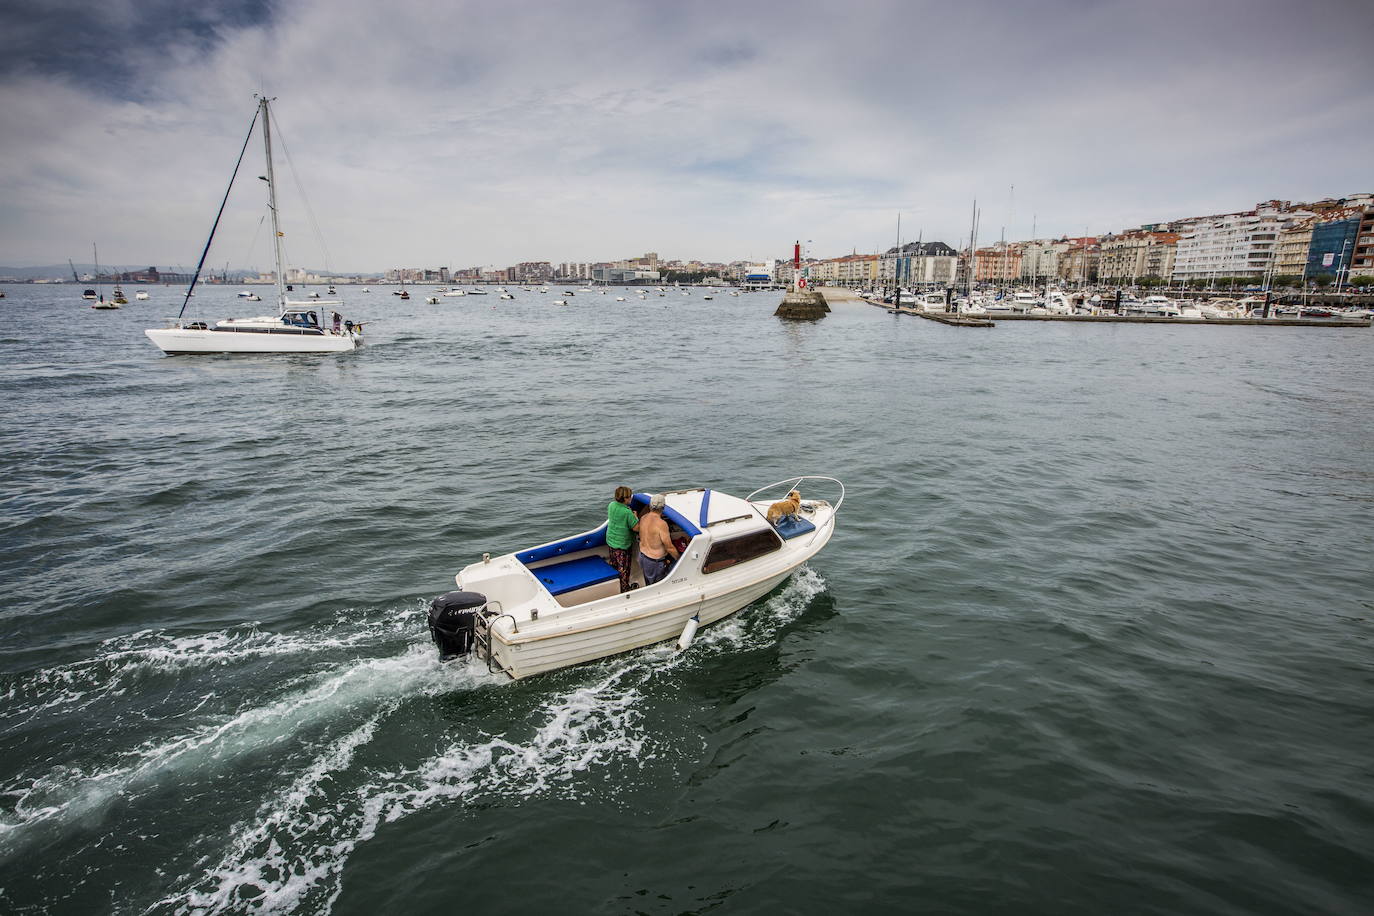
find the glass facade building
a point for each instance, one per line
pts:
(1333, 244)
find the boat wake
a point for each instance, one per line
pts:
(336, 749)
(67, 795)
(124, 662)
(290, 856)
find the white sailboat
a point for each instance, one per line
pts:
(296, 328)
(100, 302)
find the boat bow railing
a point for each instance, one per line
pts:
(794, 483)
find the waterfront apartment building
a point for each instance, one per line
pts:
(1362, 261)
(1290, 254)
(1335, 242)
(1136, 255)
(573, 270)
(918, 264)
(998, 264)
(825, 271)
(858, 270)
(533, 272)
(1079, 261)
(1233, 244)
(646, 261)
(1040, 259)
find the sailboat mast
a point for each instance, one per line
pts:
(272, 205)
(972, 251)
(897, 268)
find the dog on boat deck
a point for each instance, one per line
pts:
(783, 507)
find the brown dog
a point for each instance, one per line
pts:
(789, 506)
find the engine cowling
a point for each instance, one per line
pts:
(453, 622)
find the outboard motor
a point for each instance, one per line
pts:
(453, 622)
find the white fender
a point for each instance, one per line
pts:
(689, 633)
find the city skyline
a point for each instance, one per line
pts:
(479, 133)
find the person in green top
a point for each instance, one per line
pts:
(621, 523)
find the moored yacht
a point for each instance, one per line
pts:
(296, 328)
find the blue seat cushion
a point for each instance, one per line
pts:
(789, 526)
(575, 574)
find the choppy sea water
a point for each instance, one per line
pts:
(1094, 633)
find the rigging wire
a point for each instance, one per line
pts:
(196, 277)
(300, 189)
(257, 233)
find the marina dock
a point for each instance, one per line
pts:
(990, 320)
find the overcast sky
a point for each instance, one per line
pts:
(462, 133)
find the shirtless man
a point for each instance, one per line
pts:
(656, 551)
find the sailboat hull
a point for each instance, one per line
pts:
(177, 341)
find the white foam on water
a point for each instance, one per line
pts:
(292, 862)
(66, 794)
(760, 626)
(120, 661)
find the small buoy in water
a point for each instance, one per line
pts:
(689, 633)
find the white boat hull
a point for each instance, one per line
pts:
(176, 341)
(529, 653)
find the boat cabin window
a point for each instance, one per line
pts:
(725, 554)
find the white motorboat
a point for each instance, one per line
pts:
(560, 302)
(1024, 301)
(505, 296)
(1220, 309)
(432, 300)
(1057, 303)
(245, 294)
(619, 298)
(477, 292)
(560, 604)
(141, 294)
(455, 292)
(1158, 307)
(296, 328)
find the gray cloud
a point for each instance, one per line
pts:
(484, 132)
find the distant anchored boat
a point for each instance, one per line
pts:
(560, 604)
